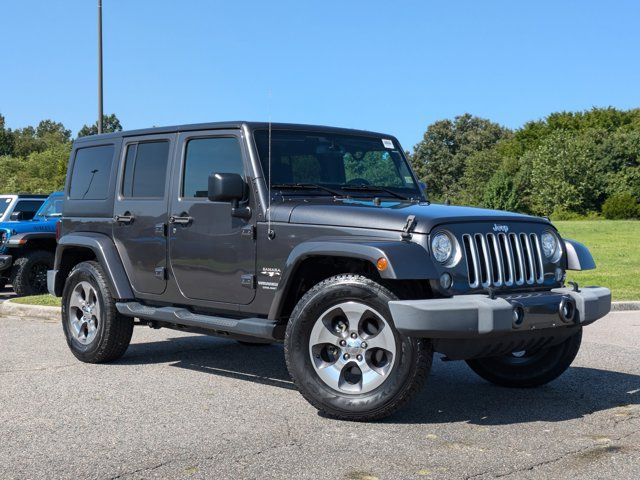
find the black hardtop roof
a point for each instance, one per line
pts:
(231, 125)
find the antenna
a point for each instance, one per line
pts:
(270, 233)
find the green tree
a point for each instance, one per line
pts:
(6, 139)
(510, 187)
(440, 158)
(568, 171)
(110, 123)
(481, 166)
(37, 139)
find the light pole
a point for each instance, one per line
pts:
(99, 66)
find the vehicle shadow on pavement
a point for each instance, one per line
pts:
(227, 358)
(453, 393)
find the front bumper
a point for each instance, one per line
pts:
(482, 317)
(5, 262)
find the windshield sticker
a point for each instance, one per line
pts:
(387, 143)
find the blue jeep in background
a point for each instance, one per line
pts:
(27, 248)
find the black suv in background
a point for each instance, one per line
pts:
(319, 237)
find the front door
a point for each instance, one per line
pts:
(140, 220)
(212, 253)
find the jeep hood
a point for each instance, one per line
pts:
(389, 215)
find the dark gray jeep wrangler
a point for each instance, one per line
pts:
(319, 237)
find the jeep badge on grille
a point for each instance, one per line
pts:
(500, 228)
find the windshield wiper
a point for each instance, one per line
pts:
(374, 188)
(308, 186)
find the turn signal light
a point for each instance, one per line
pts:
(382, 264)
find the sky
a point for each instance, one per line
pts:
(393, 67)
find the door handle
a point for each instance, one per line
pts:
(127, 218)
(182, 219)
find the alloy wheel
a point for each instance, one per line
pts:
(352, 348)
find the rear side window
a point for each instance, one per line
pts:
(145, 170)
(206, 156)
(91, 173)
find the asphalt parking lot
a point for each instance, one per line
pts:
(188, 406)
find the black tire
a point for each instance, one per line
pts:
(531, 370)
(413, 356)
(113, 332)
(29, 272)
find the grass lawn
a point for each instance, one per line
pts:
(615, 246)
(44, 300)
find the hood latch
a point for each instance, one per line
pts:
(408, 227)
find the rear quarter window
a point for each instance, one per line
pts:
(91, 173)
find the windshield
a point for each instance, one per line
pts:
(52, 207)
(4, 204)
(351, 164)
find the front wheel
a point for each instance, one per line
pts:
(29, 272)
(345, 355)
(529, 368)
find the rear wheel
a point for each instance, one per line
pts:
(94, 329)
(29, 272)
(529, 368)
(345, 355)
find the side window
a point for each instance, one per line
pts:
(208, 155)
(91, 172)
(28, 206)
(145, 170)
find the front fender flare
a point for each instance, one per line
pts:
(105, 251)
(20, 239)
(578, 256)
(406, 261)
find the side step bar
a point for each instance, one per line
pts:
(251, 327)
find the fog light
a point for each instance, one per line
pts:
(446, 281)
(567, 309)
(560, 275)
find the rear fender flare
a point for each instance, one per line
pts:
(106, 253)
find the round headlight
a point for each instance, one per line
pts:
(550, 246)
(442, 247)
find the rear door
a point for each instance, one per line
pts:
(212, 253)
(140, 220)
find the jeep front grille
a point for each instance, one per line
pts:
(503, 259)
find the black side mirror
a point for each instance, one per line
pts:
(17, 216)
(229, 187)
(226, 187)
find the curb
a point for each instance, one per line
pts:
(9, 308)
(624, 306)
